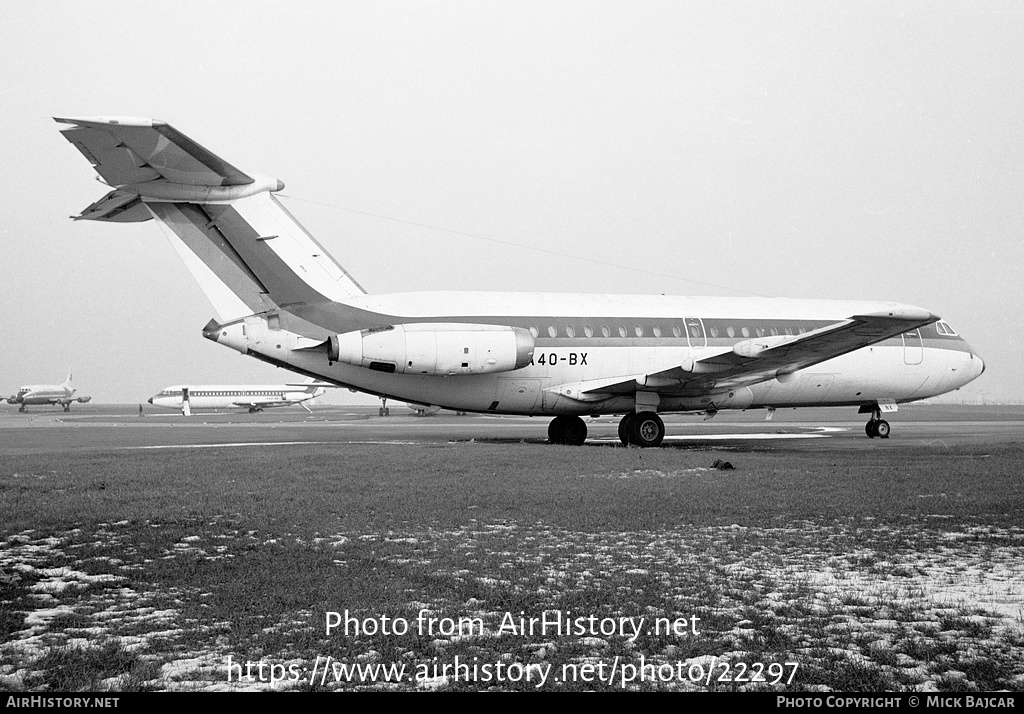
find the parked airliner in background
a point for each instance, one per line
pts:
(254, 397)
(47, 394)
(282, 299)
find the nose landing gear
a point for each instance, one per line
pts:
(877, 426)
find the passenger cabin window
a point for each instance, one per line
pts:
(588, 330)
(552, 332)
(570, 331)
(606, 331)
(534, 331)
(622, 331)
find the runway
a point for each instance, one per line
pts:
(106, 427)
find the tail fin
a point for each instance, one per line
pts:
(246, 251)
(67, 382)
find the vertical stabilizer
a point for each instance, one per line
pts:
(247, 252)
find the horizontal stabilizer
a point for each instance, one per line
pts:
(127, 150)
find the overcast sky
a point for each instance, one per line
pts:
(861, 150)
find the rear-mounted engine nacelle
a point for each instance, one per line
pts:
(435, 348)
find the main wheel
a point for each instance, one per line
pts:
(646, 429)
(869, 429)
(624, 426)
(556, 430)
(575, 431)
(882, 428)
(569, 430)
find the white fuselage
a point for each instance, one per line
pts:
(42, 394)
(582, 340)
(230, 396)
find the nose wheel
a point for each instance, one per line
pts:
(877, 427)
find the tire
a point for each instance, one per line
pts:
(646, 430)
(574, 431)
(624, 425)
(869, 429)
(882, 428)
(556, 430)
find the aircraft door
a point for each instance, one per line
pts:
(695, 334)
(913, 348)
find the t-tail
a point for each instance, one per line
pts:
(246, 251)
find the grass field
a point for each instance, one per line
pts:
(853, 570)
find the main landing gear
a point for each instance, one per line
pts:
(569, 430)
(877, 426)
(642, 429)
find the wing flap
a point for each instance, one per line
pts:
(130, 150)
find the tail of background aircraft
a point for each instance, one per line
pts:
(246, 251)
(67, 386)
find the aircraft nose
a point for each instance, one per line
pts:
(150, 400)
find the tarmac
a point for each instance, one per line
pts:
(105, 427)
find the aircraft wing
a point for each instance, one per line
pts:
(760, 359)
(266, 403)
(129, 150)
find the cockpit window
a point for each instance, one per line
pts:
(944, 329)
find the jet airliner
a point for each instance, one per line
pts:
(254, 397)
(47, 394)
(280, 298)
